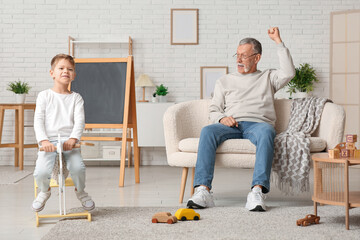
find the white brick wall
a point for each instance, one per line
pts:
(33, 31)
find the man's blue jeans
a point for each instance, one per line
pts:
(261, 134)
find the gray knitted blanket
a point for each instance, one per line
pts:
(291, 164)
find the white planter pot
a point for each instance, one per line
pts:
(301, 95)
(154, 99)
(162, 99)
(20, 98)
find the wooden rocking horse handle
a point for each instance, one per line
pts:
(76, 145)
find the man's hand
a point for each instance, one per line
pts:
(274, 34)
(229, 121)
(69, 144)
(47, 146)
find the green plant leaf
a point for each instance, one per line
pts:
(304, 79)
(161, 90)
(19, 87)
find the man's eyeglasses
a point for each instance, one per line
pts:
(242, 57)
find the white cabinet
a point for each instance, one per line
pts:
(150, 123)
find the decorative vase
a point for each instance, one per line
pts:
(162, 99)
(20, 98)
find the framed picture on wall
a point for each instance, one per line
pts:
(184, 26)
(208, 77)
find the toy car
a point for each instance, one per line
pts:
(163, 217)
(184, 214)
(307, 220)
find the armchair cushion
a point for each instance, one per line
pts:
(241, 145)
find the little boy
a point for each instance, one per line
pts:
(60, 111)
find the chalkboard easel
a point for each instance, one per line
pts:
(107, 86)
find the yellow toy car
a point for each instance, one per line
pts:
(184, 214)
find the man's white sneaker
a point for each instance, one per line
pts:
(255, 200)
(39, 203)
(202, 198)
(86, 201)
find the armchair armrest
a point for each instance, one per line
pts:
(184, 120)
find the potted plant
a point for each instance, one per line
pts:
(303, 81)
(20, 89)
(161, 91)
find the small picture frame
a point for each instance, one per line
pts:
(208, 77)
(184, 26)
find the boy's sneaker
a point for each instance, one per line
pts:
(86, 201)
(202, 198)
(255, 200)
(39, 203)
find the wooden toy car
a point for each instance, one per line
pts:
(163, 217)
(307, 220)
(184, 214)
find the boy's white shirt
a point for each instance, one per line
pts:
(57, 113)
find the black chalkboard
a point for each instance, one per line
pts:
(102, 86)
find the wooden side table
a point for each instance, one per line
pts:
(19, 130)
(331, 183)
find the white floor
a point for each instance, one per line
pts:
(159, 187)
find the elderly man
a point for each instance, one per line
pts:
(243, 107)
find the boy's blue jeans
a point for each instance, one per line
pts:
(45, 164)
(261, 134)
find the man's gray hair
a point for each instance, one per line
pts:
(255, 43)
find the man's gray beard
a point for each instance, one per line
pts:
(246, 69)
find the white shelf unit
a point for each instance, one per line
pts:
(150, 123)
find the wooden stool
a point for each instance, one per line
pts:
(18, 145)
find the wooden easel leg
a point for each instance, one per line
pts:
(127, 108)
(183, 183)
(136, 159)
(129, 148)
(122, 163)
(135, 135)
(122, 156)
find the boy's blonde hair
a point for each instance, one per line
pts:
(60, 56)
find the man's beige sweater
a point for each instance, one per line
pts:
(250, 97)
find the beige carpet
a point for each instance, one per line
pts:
(9, 175)
(215, 223)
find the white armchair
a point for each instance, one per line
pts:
(183, 123)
